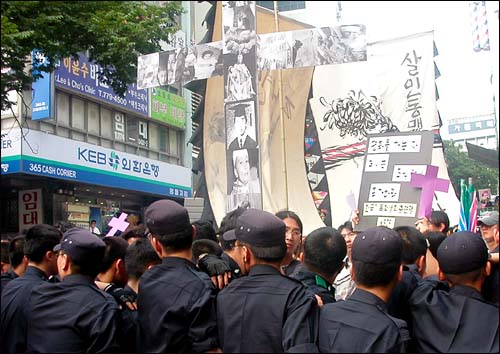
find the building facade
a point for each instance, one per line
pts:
(479, 130)
(79, 152)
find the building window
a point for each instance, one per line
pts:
(283, 5)
(163, 138)
(132, 130)
(62, 109)
(87, 121)
(93, 118)
(154, 137)
(174, 149)
(77, 113)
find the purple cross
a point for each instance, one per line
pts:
(118, 224)
(429, 183)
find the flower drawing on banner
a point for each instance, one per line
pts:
(356, 115)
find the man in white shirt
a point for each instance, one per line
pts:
(93, 228)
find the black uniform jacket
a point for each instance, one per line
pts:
(453, 320)
(315, 283)
(266, 312)
(72, 316)
(15, 301)
(176, 307)
(361, 324)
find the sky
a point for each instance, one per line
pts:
(464, 87)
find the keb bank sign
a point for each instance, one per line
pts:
(11, 151)
(54, 156)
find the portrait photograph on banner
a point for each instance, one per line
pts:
(241, 125)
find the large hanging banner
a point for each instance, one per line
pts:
(311, 161)
(393, 91)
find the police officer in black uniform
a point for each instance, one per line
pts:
(176, 302)
(361, 323)
(232, 253)
(74, 315)
(456, 319)
(321, 261)
(265, 311)
(42, 263)
(18, 261)
(414, 264)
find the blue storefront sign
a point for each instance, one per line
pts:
(42, 92)
(82, 76)
(72, 160)
(11, 151)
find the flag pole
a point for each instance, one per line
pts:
(282, 121)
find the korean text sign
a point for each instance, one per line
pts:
(82, 76)
(30, 208)
(168, 108)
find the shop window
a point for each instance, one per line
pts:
(62, 109)
(77, 113)
(93, 118)
(106, 123)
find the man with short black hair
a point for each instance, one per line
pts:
(5, 262)
(322, 260)
(414, 265)
(93, 228)
(204, 230)
(133, 233)
(456, 319)
(438, 221)
(140, 256)
(228, 266)
(42, 263)
(488, 224)
(74, 315)
(112, 268)
(361, 323)
(265, 311)
(204, 247)
(176, 302)
(232, 252)
(18, 261)
(344, 285)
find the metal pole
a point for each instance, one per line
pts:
(282, 121)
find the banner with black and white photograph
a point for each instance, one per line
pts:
(240, 105)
